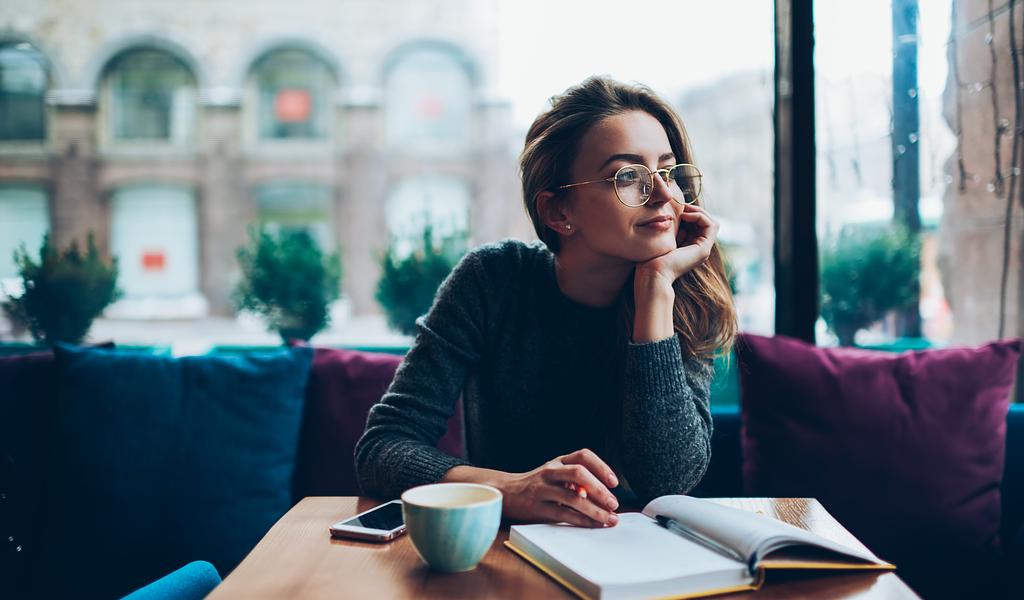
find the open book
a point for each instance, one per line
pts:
(682, 547)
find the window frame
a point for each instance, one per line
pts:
(795, 176)
(254, 141)
(32, 146)
(113, 145)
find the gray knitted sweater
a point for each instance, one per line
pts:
(541, 376)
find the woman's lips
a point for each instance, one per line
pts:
(659, 224)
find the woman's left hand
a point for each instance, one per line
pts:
(695, 239)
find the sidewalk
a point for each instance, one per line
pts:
(197, 336)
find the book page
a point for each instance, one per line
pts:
(635, 551)
(750, 534)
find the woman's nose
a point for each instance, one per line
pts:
(661, 193)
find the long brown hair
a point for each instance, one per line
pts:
(704, 315)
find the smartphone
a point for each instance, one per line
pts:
(380, 524)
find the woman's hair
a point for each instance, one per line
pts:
(704, 315)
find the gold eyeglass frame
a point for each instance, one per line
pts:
(664, 173)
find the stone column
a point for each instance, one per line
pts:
(362, 190)
(77, 207)
(222, 206)
(497, 211)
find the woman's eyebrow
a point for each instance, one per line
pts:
(634, 158)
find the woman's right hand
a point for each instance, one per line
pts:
(572, 488)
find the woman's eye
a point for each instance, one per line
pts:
(627, 176)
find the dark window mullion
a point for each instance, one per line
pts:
(796, 246)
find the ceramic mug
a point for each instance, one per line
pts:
(452, 525)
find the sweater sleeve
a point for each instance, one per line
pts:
(398, 449)
(666, 418)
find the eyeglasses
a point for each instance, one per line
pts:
(634, 184)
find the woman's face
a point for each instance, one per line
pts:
(603, 224)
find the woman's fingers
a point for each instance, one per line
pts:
(700, 219)
(578, 475)
(566, 497)
(559, 513)
(589, 459)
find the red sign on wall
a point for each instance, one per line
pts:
(154, 260)
(430, 107)
(293, 105)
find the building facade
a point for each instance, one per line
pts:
(981, 106)
(167, 128)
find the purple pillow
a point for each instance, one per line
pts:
(906, 450)
(342, 386)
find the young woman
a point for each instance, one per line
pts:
(584, 360)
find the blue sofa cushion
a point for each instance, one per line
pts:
(159, 461)
(194, 581)
(26, 392)
(1012, 490)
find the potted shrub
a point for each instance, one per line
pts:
(287, 280)
(408, 283)
(867, 272)
(62, 293)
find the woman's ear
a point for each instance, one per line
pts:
(553, 215)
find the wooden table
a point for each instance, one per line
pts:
(298, 559)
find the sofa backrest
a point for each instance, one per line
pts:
(724, 477)
(343, 385)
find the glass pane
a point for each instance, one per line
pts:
(22, 93)
(297, 205)
(441, 202)
(24, 219)
(294, 91)
(730, 125)
(722, 90)
(428, 102)
(153, 97)
(154, 237)
(884, 141)
(440, 127)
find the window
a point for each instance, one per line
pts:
(437, 201)
(884, 146)
(293, 92)
(150, 97)
(729, 125)
(297, 205)
(429, 102)
(23, 85)
(154, 237)
(24, 219)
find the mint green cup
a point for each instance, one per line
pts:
(452, 525)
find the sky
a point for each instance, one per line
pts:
(675, 45)
(670, 45)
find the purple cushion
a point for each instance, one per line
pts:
(906, 450)
(342, 386)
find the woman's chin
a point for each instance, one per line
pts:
(657, 247)
(653, 249)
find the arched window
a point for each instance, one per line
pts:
(290, 205)
(154, 236)
(441, 202)
(292, 90)
(150, 95)
(23, 84)
(24, 219)
(428, 101)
